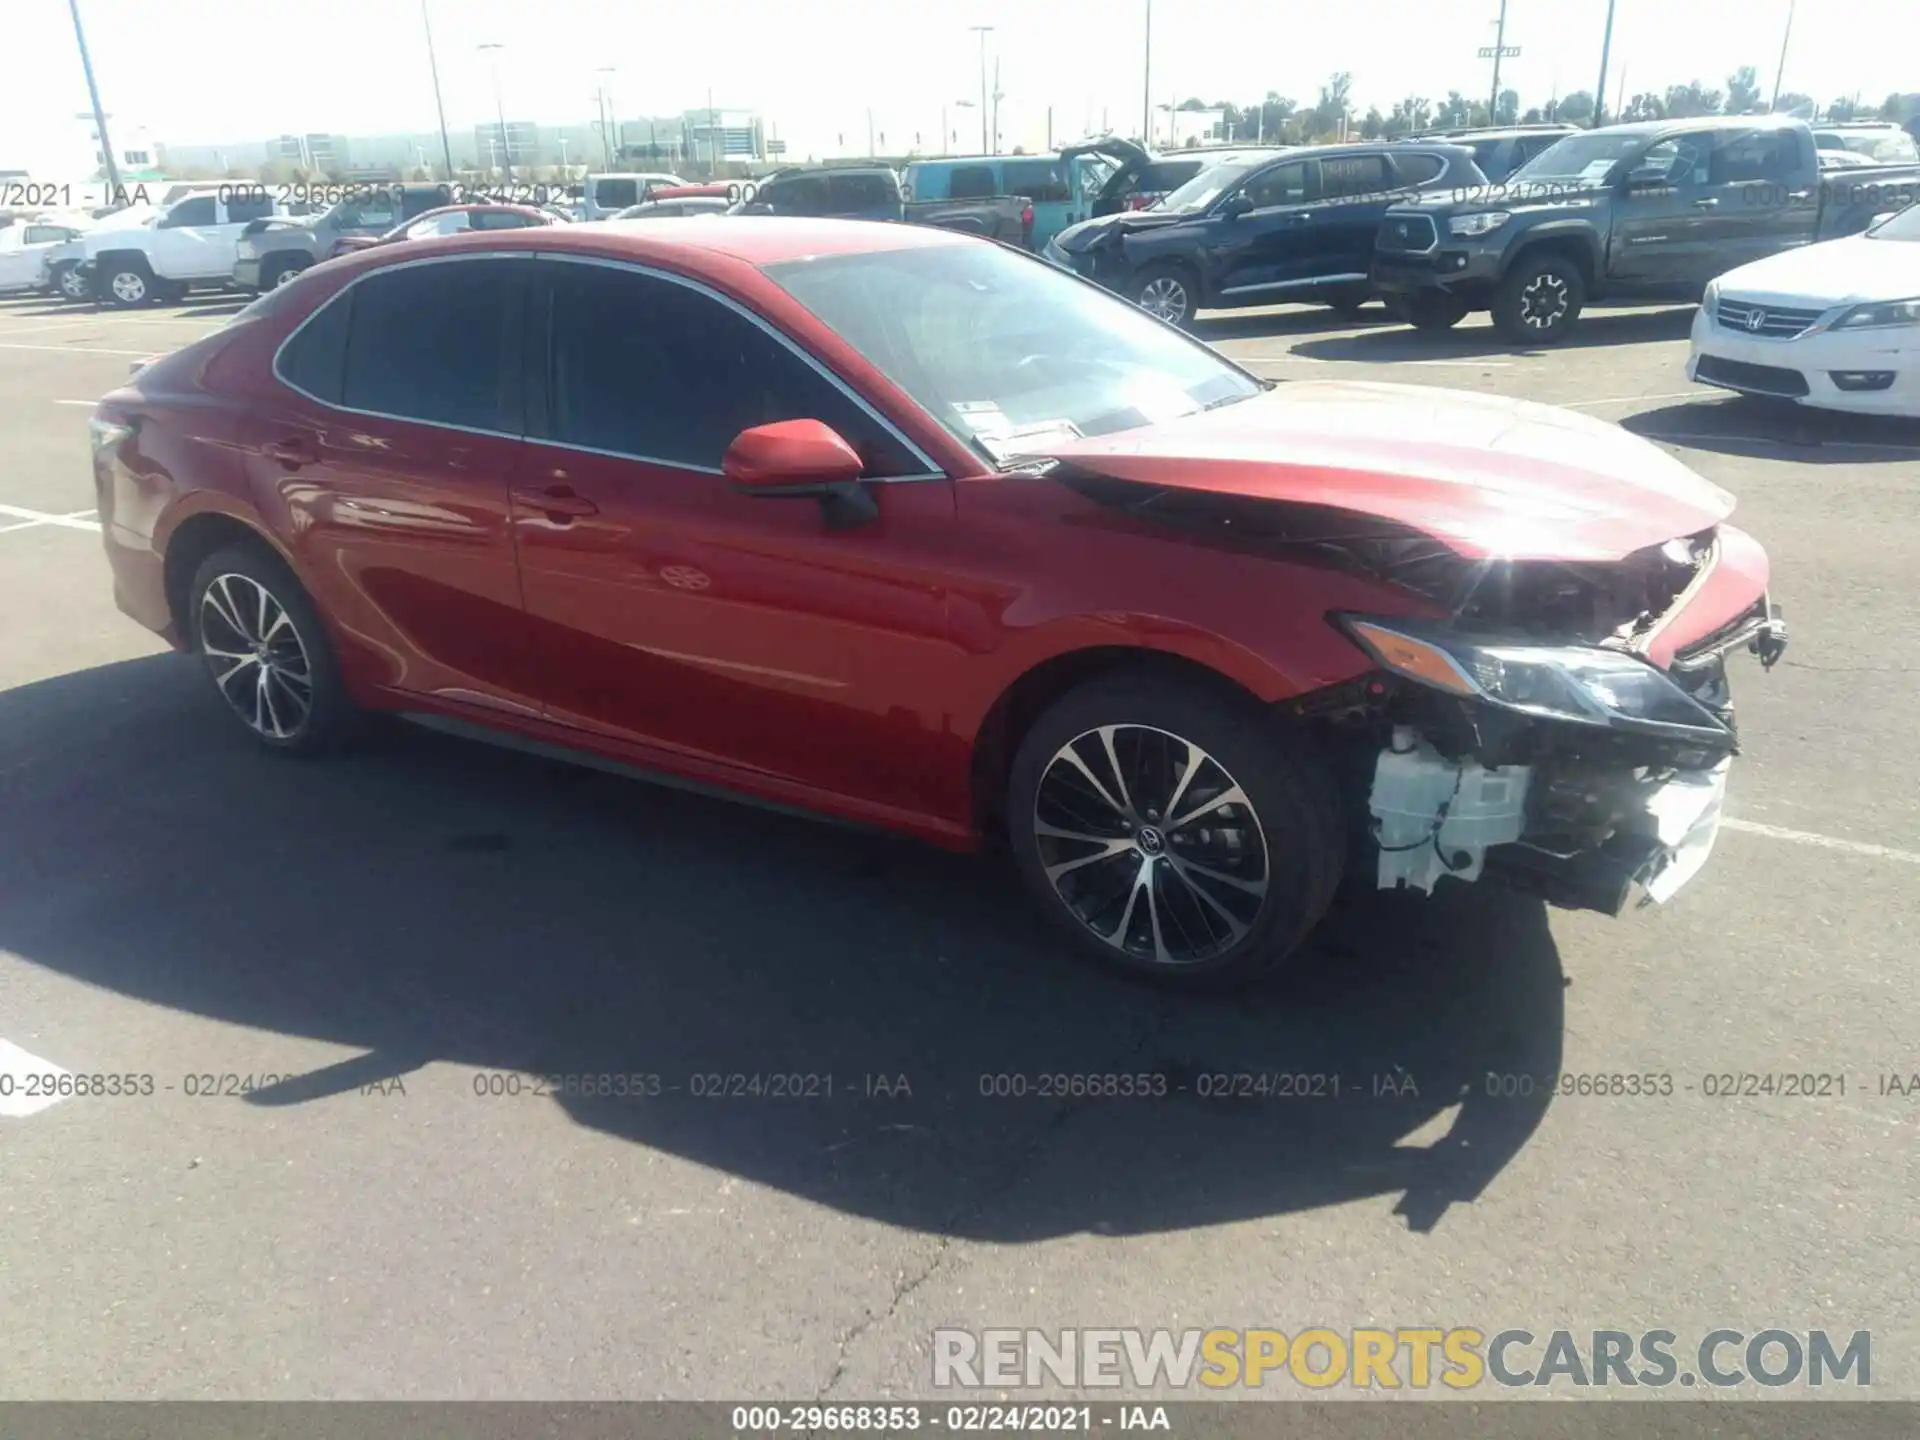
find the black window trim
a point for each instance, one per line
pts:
(533, 381)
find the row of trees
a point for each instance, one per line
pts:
(1281, 119)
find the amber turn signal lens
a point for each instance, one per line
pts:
(1416, 659)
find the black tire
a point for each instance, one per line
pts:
(1291, 817)
(1167, 291)
(125, 284)
(267, 700)
(1539, 302)
(280, 270)
(65, 282)
(1431, 311)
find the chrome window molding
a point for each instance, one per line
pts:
(930, 470)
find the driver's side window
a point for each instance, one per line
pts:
(1278, 185)
(1677, 160)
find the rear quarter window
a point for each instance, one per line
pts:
(971, 182)
(1041, 181)
(1419, 169)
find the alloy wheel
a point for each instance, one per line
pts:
(1544, 301)
(1151, 844)
(1164, 297)
(256, 655)
(287, 275)
(129, 287)
(73, 284)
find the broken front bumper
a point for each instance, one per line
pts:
(1582, 827)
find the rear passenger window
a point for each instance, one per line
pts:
(1419, 169)
(644, 367)
(801, 195)
(1040, 181)
(862, 192)
(971, 182)
(1760, 155)
(1349, 177)
(438, 343)
(314, 357)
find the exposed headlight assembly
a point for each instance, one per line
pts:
(1880, 315)
(1479, 224)
(1579, 684)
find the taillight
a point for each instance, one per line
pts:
(1026, 216)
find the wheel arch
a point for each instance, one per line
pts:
(1023, 701)
(192, 540)
(1575, 242)
(137, 258)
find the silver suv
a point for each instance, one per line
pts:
(273, 251)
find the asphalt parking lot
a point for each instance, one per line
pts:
(382, 940)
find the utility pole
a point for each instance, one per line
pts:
(114, 195)
(440, 108)
(1600, 90)
(996, 104)
(1780, 74)
(870, 132)
(1499, 43)
(982, 31)
(500, 111)
(1146, 84)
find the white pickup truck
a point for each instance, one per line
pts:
(195, 240)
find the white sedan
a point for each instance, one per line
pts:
(1834, 325)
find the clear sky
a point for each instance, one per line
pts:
(206, 71)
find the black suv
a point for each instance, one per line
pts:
(1266, 230)
(1500, 151)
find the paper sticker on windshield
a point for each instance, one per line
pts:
(1596, 170)
(983, 417)
(1034, 439)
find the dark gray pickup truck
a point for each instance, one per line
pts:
(1629, 212)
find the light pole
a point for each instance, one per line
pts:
(609, 142)
(99, 115)
(500, 109)
(1600, 90)
(1780, 74)
(1146, 84)
(958, 104)
(440, 108)
(982, 31)
(1499, 43)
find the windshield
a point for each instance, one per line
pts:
(1209, 185)
(1584, 158)
(1007, 353)
(1904, 226)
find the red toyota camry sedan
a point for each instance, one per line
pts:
(910, 529)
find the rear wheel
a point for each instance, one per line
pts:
(1170, 835)
(267, 652)
(1347, 303)
(1165, 291)
(1540, 300)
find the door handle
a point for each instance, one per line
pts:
(1799, 194)
(1302, 219)
(558, 503)
(292, 452)
(1708, 203)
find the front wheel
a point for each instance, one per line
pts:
(1169, 834)
(1167, 292)
(267, 652)
(282, 272)
(67, 282)
(1539, 302)
(126, 285)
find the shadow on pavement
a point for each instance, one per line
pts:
(1403, 342)
(1756, 426)
(1215, 325)
(432, 899)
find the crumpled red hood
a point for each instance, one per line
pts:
(1486, 475)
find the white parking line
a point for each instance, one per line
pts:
(72, 521)
(29, 1079)
(79, 350)
(1824, 842)
(1322, 360)
(1701, 394)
